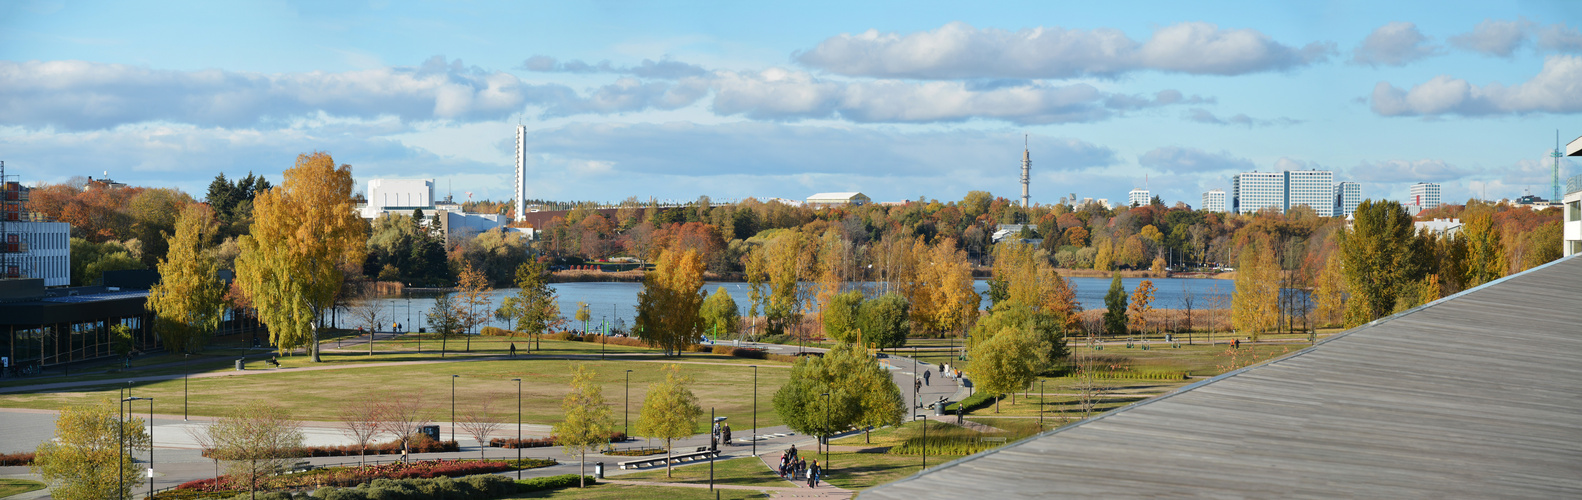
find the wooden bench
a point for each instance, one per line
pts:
(302, 466)
(675, 459)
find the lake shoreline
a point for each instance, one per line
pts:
(636, 276)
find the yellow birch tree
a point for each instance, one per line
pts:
(670, 410)
(588, 423)
(189, 300)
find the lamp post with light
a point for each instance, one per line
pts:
(518, 425)
(453, 407)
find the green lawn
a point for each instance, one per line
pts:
(315, 395)
(855, 471)
(10, 487)
(627, 492)
(746, 471)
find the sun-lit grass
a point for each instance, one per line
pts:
(318, 394)
(855, 471)
(746, 471)
(631, 492)
(10, 487)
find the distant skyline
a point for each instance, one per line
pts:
(730, 100)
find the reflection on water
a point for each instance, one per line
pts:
(608, 300)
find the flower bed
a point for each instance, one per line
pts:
(18, 458)
(352, 476)
(420, 443)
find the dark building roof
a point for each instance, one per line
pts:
(1473, 396)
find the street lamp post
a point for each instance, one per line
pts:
(184, 357)
(713, 439)
(453, 407)
(825, 438)
(1040, 405)
(518, 426)
(121, 431)
(925, 438)
(626, 409)
(604, 338)
(915, 402)
(755, 410)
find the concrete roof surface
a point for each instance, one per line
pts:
(1478, 395)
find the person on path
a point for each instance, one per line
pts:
(925, 376)
(792, 451)
(513, 349)
(812, 475)
(727, 432)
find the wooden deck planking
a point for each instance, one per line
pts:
(1475, 396)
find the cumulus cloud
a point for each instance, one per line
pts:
(1201, 115)
(77, 95)
(780, 94)
(1182, 160)
(624, 95)
(689, 149)
(1425, 170)
(1495, 37)
(958, 50)
(1560, 38)
(1394, 44)
(1553, 90)
(664, 69)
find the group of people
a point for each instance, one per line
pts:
(793, 468)
(720, 432)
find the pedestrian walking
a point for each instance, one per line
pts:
(727, 432)
(925, 376)
(812, 475)
(513, 349)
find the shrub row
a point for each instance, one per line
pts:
(492, 331)
(348, 476)
(550, 482)
(977, 401)
(639, 452)
(616, 437)
(1148, 375)
(942, 446)
(18, 458)
(481, 487)
(418, 443)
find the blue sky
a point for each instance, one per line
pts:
(730, 100)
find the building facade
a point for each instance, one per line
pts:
(398, 195)
(1254, 191)
(1214, 200)
(1425, 195)
(1571, 243)
(1138, 197)
(827, 200)
(1347, 196)
(1314, 188)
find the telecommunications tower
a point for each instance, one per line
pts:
(1027, 166)
(1555, 180)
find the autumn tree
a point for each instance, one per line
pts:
(85, 459)
(477, 422)
(256, 441)
(1255, 305)
(403, 417)
(667, 307)
(943, 300)
(719, 313)
(305, 233)
(670, 410)
(189, 300)
(1005, 363)
(1378, 259)
(885, 321)
(369, 312)
(360, 420)
(583, 314)
(782, 266)
(1115, 308)
(472, 301)
(1330, 293)
(1141, 305)
(443, 319)
(1485, 250)
(587, 423)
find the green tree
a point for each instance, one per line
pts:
(189, 300)
(89, 260)
(534, 307)
(885, 321)
(667, 307)
(587, 424)
(841, 318)
(670, 410)
(256, 440)
(154, 213)
(1378, 259)
(719, 313)
(1006, 363)
(495, 253)
(305, 235)
(81, 462)
(840, 374)
(1048, 332)
(1115, 308)
(444, 320)
(583, 315)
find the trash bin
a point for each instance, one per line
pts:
(241, 364)
(431, 430)
(422, 329)
(939, 409)
(598, 470)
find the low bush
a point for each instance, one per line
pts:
(781, 358)
(1148, 375)
(639, 452)
(749, 353)
(698, 348)
(616, 437)
(355, 475)
(723, 349)
(18, 458)
(550, 482)
(192, 494)
(614, 340)
(943, 446)
(418, 443)
(491, 331)
(479, 487)
(977, 401)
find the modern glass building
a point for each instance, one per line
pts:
(1254, 191)
(1314, 188)
(1138, 197)
(1347, 196)
(1425, 194)
(1214, 200)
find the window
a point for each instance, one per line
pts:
(1574, 211)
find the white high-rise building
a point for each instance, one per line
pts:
(398, 195)
(521, 171)
(1425, 195)
(1347, 196)
(1214, 201)
(1314, 188)
(1254, 191)
(1138, 197)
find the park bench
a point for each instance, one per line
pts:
(702, 454)
(272, 362)
(301, 466)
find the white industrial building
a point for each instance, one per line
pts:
(29, 246)
(1138, 197)
(1314, 188)
(398, 195)
(1254, 191)
(828, 200)
(1571, 232)
(1347, 196)
(1213, 201)
(1425, 195)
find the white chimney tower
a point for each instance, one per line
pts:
(1027, 166)
(521, 172)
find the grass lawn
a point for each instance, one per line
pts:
(314, 395)
(892, 436)
(628, 492)
(855, 471)
(746, 471)
(10, 487)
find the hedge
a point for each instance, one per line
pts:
(18, 458)
(550, 482)
(511, 443)
(977, 401)
(479, 487)
(418, 443)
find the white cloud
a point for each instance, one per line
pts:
(1393, 171)
(1560, 38)
(1495, 37)
(958, 50)
(780, 94)
(1394, 44)
(1555, 89)
(1201, 115)
(662, 69)
(1182, 160)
